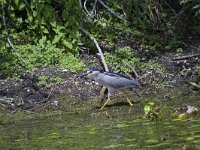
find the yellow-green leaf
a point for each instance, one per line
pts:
(67, 44)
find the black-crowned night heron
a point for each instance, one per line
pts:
(112, 81)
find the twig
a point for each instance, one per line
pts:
(112, 12)
(94, 7)
(90, 14)
(133, 69)
(186, 57)
(97, 46)
(84, 5)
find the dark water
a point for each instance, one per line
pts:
(117, 127)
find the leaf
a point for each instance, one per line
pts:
(67, 44)
(21, 6)
(42, 40)
(53, 24)
(148, 107)
(56, 39)
(17, 2)
(2, 1)
(103, 24)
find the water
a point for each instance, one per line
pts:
(117, 127)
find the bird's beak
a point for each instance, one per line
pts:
(84, 75)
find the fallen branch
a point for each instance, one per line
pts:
(112, 12)
(6, 101)
(186, 57)
(195, 85)
(97, 46)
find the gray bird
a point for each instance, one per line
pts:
(112, 81)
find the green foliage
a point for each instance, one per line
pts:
(72, 63)
(175, 42)
(195, 5)
(151, 112)
(197, 70)
(30, 57)
(154, 40)
(196, 29)
(179, 50)
(161, 16)
(55, 23)
(42, 54)
(48, 82)
(152, 65)
(148, 107)
(120, 58)
(9, 65)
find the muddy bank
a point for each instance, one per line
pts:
(26, 93)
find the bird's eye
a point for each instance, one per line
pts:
(89, 71)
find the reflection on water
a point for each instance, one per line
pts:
(113, 128)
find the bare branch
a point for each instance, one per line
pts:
(86, 7)
(90, 14)
(133, 69)
(97, 46)
(112, 12)
(94, 7)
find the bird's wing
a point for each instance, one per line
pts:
(112, 74)
(119, 82)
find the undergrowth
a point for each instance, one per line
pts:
(27, 58)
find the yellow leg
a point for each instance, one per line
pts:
(105, 103)
(131, 104)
